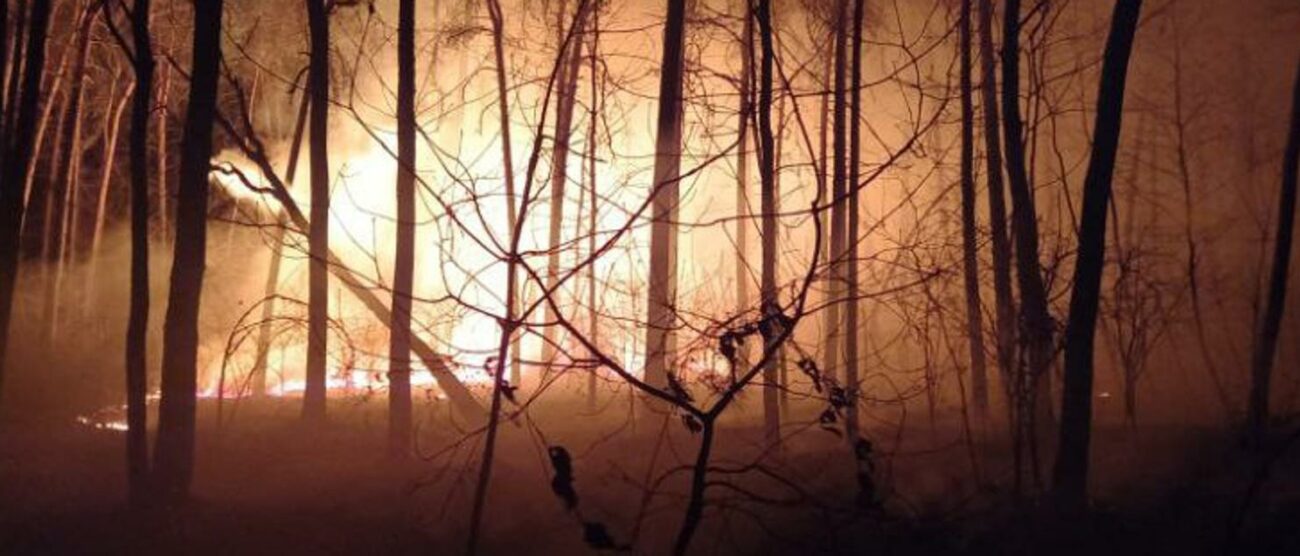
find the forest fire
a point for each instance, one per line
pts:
(649, 276)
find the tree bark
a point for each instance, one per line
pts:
(318, 82)
(970, 244)
(18, 154)
(662, 291)
(137, 325)
(851, 338)
(399, 328)
(743, 117)
(767, 175)
(1036, 325)
(1071, 472)
(839, 164)
(1265, 344)
(174, 458)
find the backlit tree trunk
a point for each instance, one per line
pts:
(1035, 322)
(318, 82)
(1071, 472)
(174, 458)
(839, 162)
(399, 328)
(767, 175)
(661, 296)
(970, 244)
(851, 335)
(137, 325)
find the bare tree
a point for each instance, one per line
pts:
(174, 454)
(1070, 475)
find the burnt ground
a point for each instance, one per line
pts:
(266, 485)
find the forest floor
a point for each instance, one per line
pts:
(266, 485)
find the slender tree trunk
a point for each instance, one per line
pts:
(1005, 303)
(662, 291)
(742, 161)
(1264, 349)
(507, 154)
(318, 83)
(565, 101)
(18, 154)
(137, 325)
(593, 214)
(970, 244)
(174, 458)
(851, 336)
(1071, 472)
(839, 163)
(767, 176)
(1036, 325)
(399, 328)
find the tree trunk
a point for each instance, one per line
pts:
(567, 88)
(1265, 344)
(767, 176)
(137, 325)
(1071, 472)
(17, 159)
(662, 291)
(507, 155)
(318, 83)
(1035, 321)
(593, 214)
(970, 244)
(839, 151)
(399, 328)
(742, 161)
(851, 336)
(174, 458)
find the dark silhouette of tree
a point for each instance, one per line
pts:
(137, 328)
(1005, 310)
(174, 454)
(852, 336)
(1071, 472)
(1036, 325)
(661, 294)
(839, 175)
(318, 83)
(17, 153)
(399, 328)
(767, 176)
(969, 243)
(1264, 347)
